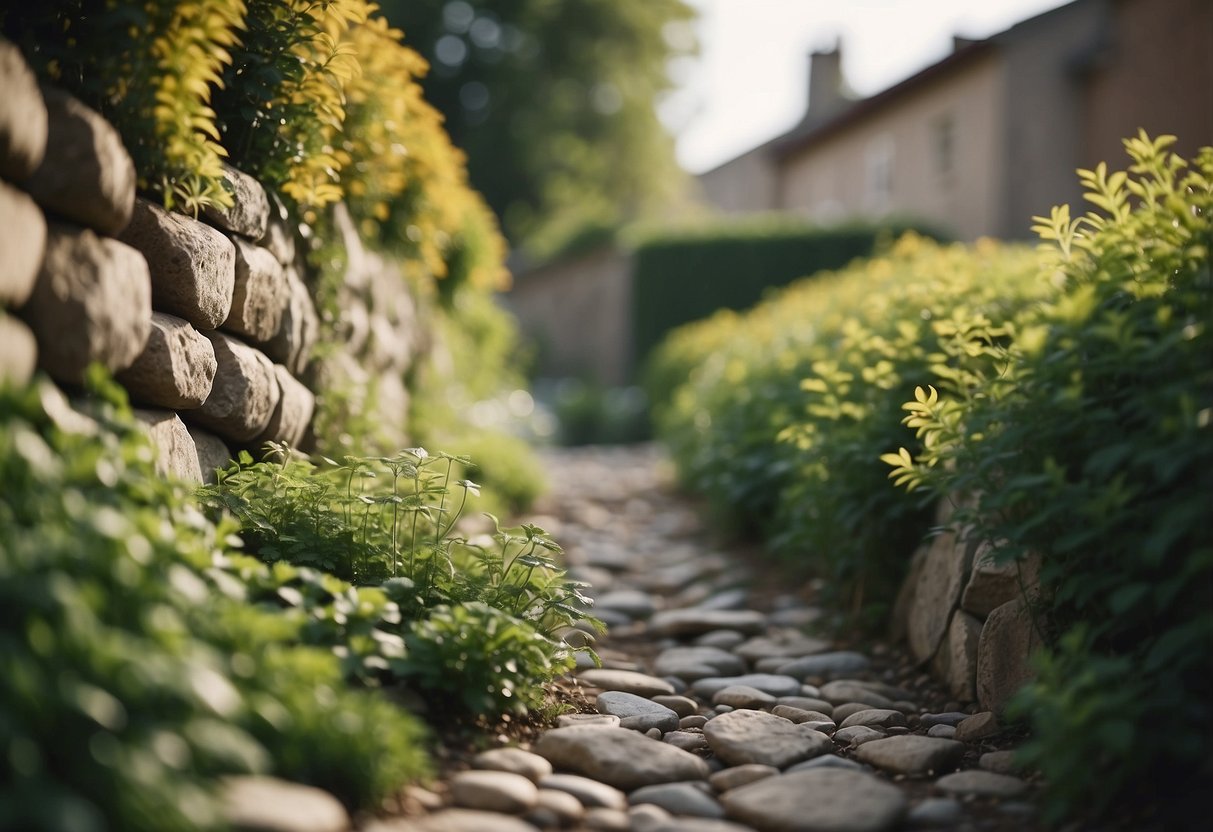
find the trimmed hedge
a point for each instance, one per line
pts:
(783, 410)
(683, 276)
(1088, 438)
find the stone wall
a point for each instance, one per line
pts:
(967, 617)
(208, 323)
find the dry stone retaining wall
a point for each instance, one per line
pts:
(208, 323)
(967, 616)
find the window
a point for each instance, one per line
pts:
(943, 143)
(879, 178)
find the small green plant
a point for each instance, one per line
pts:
(1087, 437)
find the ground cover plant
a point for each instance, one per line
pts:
(149, 650)
(784, 408)
(1087, 438)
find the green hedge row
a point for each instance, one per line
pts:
(683, 276)
(1070, 392)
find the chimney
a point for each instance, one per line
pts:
(828, 92)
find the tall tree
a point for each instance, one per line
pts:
(554, 102)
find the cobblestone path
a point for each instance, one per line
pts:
(717, 708)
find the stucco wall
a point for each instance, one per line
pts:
(744, 185)
(579, 313)
(829, 179)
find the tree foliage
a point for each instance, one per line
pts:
(554, 104)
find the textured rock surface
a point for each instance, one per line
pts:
(493, 791)
(745, 736)
(292, 344)
(212, 452)
(176, 368)
(293, 413)
(937, 592)
(23, 126)
(956, 661)
(176, 455)
(912, 755)
(641, 684)
(260, 293)
(86, 174)
(825, 800)
(689, 799)
(91, 302)
(18, 351)
(193, 266)
(250, 211)
(1004, 652)
(22, 244)
(514, 760)
(637, 712)
(244, 394)
(618, 757)
(983, 783)
(265, 804)
(693, 621)
(993, 584)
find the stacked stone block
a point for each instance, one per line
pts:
(968, 616)
(207, 322)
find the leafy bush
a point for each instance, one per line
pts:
(391, 522)
(1087, 438)
(589, 414)
(150, 69)
(785, 407)
(684, 276)
(130, 683)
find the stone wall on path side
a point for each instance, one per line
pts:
(208, 323)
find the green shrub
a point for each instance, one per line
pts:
(589, 414)
(684, 276)
(136, 669)
(783, 406)
(1088, 439)
(391, 523)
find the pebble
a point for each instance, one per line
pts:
(946, 732)
(981, 783)
(618, 757)
(743, 696)
(746, 736)
(724, 639)
(514, 760)
(720, 662)
(857, 735)
(911, 755)
(694, 621)
(686, 740)
(799, 715)
(606, 820)
(589, 793)
(828, 761)
(820, 799)
(636, 712)
(808, 703)
(693, 721)
(631, 602)
(648, 817)
(586, 720)
(564, 807)
(977, 727)
(731, 778)
(999, 762)
(254, 802)
(493, 791)
(627, 681)
(470, 820)
(847, 709)
(935, 811)
(952, 718)
(826, 664)
(793, 646)
(774, 684)
(691, 799)
(875, 718)
(842, 692)
(684, 706)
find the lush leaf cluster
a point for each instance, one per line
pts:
(143, 657)
(1088, 438)
(319, 100)
(784, 409)
(685, 275)
(389, 524)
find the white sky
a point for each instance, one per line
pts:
(749, 83)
